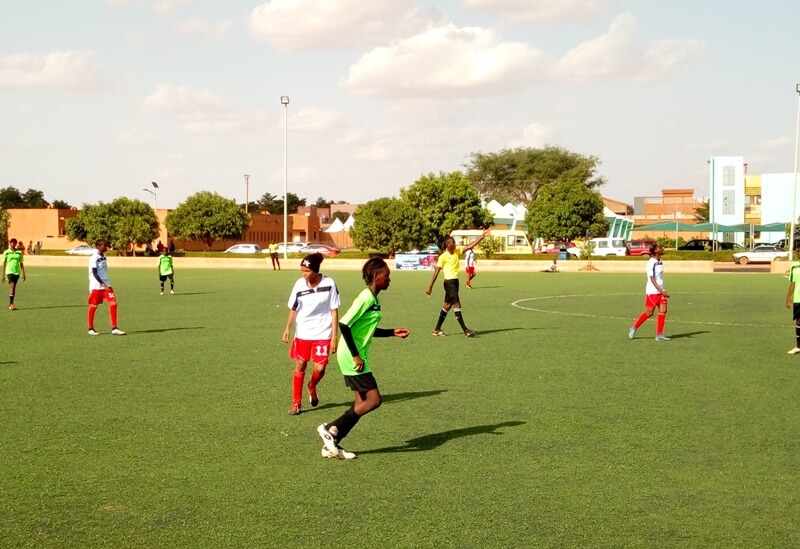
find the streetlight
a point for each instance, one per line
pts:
(246, 193)
(155, 197)
(794, 186)
(285, 103)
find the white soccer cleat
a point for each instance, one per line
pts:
(91, 332)
(172, 292)
(793, 351)
(343, 454)
(631, 333)
(328, 439)
(117, 332)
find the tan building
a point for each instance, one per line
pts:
(45, 225)
(677, 205)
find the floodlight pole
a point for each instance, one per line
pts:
(794, 186)
(246, 193)
(285, 103)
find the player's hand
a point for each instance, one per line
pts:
(428, 292)
(286, 336)
(666, 294)
(359, 364)
(401, 332)
(333, 346)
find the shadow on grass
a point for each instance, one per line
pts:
(8, 362)
(689, 334)
(179, 294)
(481, 288)
(395, 397)
(57, 307)
(162, 330)
(434, 440)
(501, 330)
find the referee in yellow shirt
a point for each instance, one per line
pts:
(448, 263)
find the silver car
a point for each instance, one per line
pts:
(761, 254)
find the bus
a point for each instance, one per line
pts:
(513, 241)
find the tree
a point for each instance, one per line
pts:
(3, 225)
(490, 245)
(61, 204)
(322, 202)
(272, 204)
(701, 213)
(341, 216)
(388, 225)
(123, 223)
(208, 217)
(564, 211)
(518, 175)
(446, 202)
(34, 199)
(10, 197)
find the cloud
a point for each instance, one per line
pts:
(446, 60)
(208, 30)
(539, 11)
(624, 53)
(160, 6)
(313, 120)
(200, 111)
(323, 24)
(71, 71)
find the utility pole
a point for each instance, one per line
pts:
(246, 193)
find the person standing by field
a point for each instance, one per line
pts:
(13, 266)
(166, 271)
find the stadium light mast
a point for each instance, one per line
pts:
(246, 193)
(153, 192)
(285, 103)
(794, 185)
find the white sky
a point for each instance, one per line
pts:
(100, 97)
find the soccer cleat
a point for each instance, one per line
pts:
(438, 333)
(631, 333)
(312, 396)
(793, 351)
(662, 337)
(328, 439)
(468, 285)
(92, 332)
(162, 293)
(470, 333)
(117, 332)
(343, 454)
(295, 410)
(12, 307)
(172, 292)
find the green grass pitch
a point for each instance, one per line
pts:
(549, 429)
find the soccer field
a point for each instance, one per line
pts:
(550, 428)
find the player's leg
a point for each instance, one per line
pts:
(95, 298)
(796, 315)
(649, 309)
(661, 320)
(171, 283)
(301, 353)
(161, 280)
(111, 297)
(12, 290)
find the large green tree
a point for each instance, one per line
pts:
(446, 201)
(208, 217)
(566, 210)
(274, 204)
(388, 225)
(518, 175)
(123, 223)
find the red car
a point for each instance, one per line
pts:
(640, 247)
(324, 249)
(558, 246)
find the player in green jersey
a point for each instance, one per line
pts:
(165, 270)
(793, 300)
(357, 327)
(12, 268)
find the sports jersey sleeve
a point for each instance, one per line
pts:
(334, 299)
(293, 301)
(356, 311)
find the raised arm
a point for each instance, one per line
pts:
(478, 239)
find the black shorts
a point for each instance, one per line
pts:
(361, 383)
(12, 278)
(451, 291)
(796, 311)
(162, 278)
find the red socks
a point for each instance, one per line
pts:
(640, 320)
(297, 387)
(660, 321)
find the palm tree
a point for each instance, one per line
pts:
(701, 213)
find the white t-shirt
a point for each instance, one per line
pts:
(98, 261)
(655, 268)
(470, 258)
(314, 306)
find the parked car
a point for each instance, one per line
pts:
(606, 247)
(556, 247)
(324, 249)
(638, 248)
(761, 254)
(706, 244)
(291, 247)
(243, 249)
(83, 249)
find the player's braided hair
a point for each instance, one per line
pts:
(372, 266)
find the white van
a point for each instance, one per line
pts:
(604, 247)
